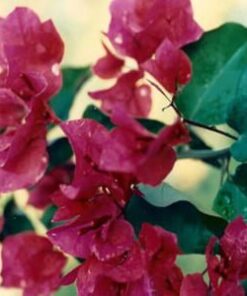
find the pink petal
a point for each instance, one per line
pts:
(194, 285)
(108, 66)
(12, 109)
(170, 67)
(36, 269)
(127, 95)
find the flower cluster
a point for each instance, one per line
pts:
(31, 263)
(30, 53)
(91, 195)
(152, 33)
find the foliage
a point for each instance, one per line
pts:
(99, 190)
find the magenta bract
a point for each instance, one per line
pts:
(129, 94)
(31, 263)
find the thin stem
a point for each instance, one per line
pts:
(204, 154)
(210, 128)
(172, 104)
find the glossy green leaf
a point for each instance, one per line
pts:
(192, 227)
(231, 201)
(239, 148)
(237, 110)
(73, 80)
(93, 112)
(240, 177)
(47, 216)
(219, 60)
(15, 221)
(59, 152)
(162, 195)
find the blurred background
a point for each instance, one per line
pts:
(80, 22)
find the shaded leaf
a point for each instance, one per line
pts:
(192, 227)
(162, 195)
(240, 177)
(219, 60)
(47, 217)
(59, 152)
(93, 112)
(15, 221)
(239, 148)
(73, 80)
(231, 201)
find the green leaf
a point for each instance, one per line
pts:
(240, 177)
(231, 201)
(192, 227)
(162, 195)
(239, 148)
(15, 221)
(93, 112)
(47, 216)
(68, 290)
(237, 110)
(73, 80)
(59, 152)
(219, 60)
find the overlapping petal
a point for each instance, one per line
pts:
(31, 263)
(171, 67)
(108, 66)
(127, 94)
(138, 27)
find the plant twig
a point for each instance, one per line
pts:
(189, 121)
(210, 128)
(204, 154)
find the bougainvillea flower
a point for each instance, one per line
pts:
(226, 270)
(12, 108)
(171, 67)
(90, 222)
(31, 52)
(87, 138)
(108, 66)
(132, 149)
(23, 156)
(161, 250)
(138, 27)
(128, 94)
(41, 195)
(110, 277)
(31, 263)
(147, 268)
(194, 285)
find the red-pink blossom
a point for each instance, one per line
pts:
(31, 263)
(146, 268)
(110, 277)
(134, 150)
(93, 227)
(194, 285)
(108, 66)
(226, 270)
(138, 27)
(128, 94)
(30, 52)
(30, 55)
(41, 195)
(88, 138)
(23, 156)
(171, 67)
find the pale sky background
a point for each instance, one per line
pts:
(80, 23)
